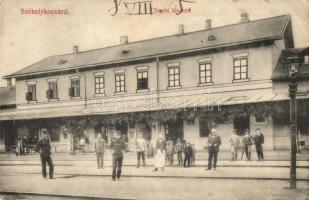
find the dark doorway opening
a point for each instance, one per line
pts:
(174, 130)
(241, 124)
(123, 129)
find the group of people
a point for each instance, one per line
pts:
(163, 151)
(78, 143)
(243, 144)
(23, 144)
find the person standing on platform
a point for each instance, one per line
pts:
(188, 151)
(99, 146)
(179, 150)
(140, 144)
(160, 152)
(170, 152)
(248, 142)
(234, 142)
(259, 141)
(214, 141)
(43, 146)
(117, 147)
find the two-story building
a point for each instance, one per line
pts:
(182, 85)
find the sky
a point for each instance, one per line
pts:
(28, 38)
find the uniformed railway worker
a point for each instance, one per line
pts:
(44, 147)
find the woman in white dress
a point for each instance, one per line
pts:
(160, 151)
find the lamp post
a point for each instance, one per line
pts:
(292, 68)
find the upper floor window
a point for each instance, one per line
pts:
(75, 87)
(99, 83)
(52, 92)
(31, 94)
(142, 78)
(120, 81)
(173, 74)
(241, 68)
(205, 73)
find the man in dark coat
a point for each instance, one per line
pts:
(258, 141)
(214, 141)
(44, 147)
(117, 147)
(188, 151)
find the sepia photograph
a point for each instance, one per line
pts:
(154, 99)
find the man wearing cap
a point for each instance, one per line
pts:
(258, 141)
(214, 141)
(117, 147)
(43, 146)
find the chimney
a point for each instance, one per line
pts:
(208, 24)
(181, 29)
(75, 49)
(244, 17)
(124, 39)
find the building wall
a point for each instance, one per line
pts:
(259, 60)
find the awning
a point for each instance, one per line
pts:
(162, 103)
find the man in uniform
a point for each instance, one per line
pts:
(43, 146)
(258, 141)
(117, 147)
(214, 141)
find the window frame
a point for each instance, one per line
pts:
(56, 89)
(138, 80)
(240, 68)
(97, 85)
(119, 74)
(74, 80)
(200, 71)
(174, 74)
(33, 94)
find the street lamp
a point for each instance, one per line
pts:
(293, 64)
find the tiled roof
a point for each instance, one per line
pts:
(7, 96)
(281, 71)
(259, 30)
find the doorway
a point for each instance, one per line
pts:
(241, 124)
(174, 130)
